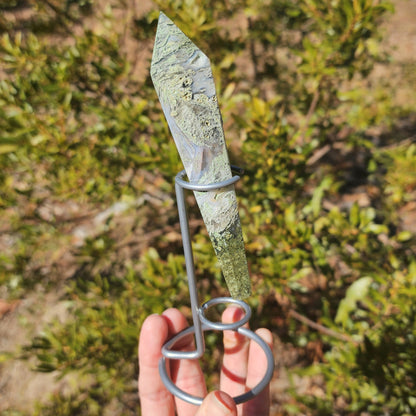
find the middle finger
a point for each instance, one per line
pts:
(236, 348)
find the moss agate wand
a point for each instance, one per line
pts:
(183, 80)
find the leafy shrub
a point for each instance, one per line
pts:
(99, 343)
(376, 374)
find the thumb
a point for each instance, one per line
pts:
(217, 403)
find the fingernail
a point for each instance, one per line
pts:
(225, 400)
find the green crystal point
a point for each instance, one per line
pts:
(182, 76)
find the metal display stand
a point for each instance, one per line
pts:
(200, 322)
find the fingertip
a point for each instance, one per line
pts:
(232, 314)
(150, 323)
(154, 333)
(233, 341)
(171, 312)
(175, 319)
(217, 403)
(225, 400)
(265, 335)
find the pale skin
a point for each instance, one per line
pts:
(244, 365)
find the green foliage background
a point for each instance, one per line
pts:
(81, 132)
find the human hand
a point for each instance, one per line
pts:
(244, 365)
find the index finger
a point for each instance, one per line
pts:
(154, 397)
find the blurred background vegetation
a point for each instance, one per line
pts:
(318, 114)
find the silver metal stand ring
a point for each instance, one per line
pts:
(211, 186)
(204, 187)
(219, 325)
(176, 391)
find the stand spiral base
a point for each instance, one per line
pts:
(207, 325)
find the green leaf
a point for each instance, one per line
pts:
(404, 236)
(356, 292)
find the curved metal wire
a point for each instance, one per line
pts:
(219, 325)
(181, 394)
(200, 322)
